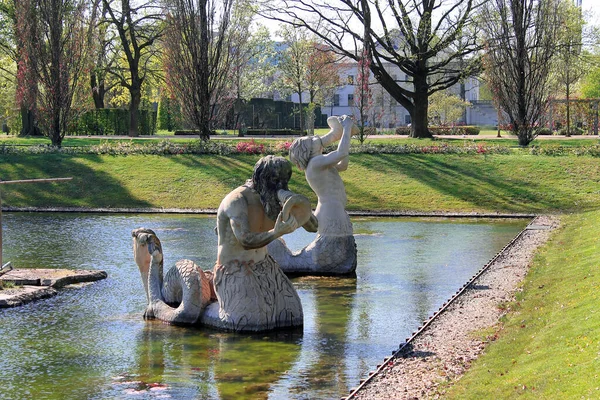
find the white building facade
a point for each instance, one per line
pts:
(386, 112)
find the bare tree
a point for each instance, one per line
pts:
(322, 72)
(102, 59)
(52, 60)
(23, 15)
(293, 64)
(363, 95)
(521, 37)
(197, 59)
(423, 40)
(138, 27)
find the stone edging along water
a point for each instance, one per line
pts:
(412, 375)
(33, 284)
(213, 211)
(428, 322)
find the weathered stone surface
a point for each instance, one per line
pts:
(252, 292)
(40, 283)
(18, 296)
(333, 251)
(56, 278)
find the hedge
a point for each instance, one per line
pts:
(112, 121)
(444, 130)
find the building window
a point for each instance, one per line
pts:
(336, 100)
(350, 79)
(350, 99)
(407, 119)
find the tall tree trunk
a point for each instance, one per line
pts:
(98, 90)
(205, 120)
(134, 104)
(568, 105)
(55, 135)
(29, 127)
(421, 106)
(301, 120)
(463, 96)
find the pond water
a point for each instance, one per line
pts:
(91, 342)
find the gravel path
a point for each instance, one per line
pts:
(444, 350)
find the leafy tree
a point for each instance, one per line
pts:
(8, 88)
(8, 61)
(590, 87)
(571, 60)
(424, 40)
(169, 114)
(521, 42)
(138, 26)
(446, 108)
(252, 59)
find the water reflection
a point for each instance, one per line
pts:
(92, 342)
(193, 363)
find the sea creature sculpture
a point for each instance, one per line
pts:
(246, 291)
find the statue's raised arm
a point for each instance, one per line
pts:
(333, 252)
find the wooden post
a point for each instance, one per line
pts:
(21, 181)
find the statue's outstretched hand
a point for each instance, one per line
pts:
(336, 127)
(346, 121)
(284, 227)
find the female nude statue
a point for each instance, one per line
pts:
(333, 252)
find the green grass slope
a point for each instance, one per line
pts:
(423, 182)
(549, 345)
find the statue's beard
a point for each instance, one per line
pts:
(270, 202)
(268, 198)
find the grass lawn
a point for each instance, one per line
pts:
(549, 345)
(506, 183)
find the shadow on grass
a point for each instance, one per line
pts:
(482, 184)
(88, 188)
(234, 171)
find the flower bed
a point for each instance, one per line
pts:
(166, 147)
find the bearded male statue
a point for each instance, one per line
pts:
(252, 292)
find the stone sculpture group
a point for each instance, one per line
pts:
(248, 290)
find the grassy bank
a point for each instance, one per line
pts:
(416, 182)
(549, 346)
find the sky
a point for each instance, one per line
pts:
(592, 6)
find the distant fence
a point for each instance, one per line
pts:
(271, 114)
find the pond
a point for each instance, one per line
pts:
(91, 342)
